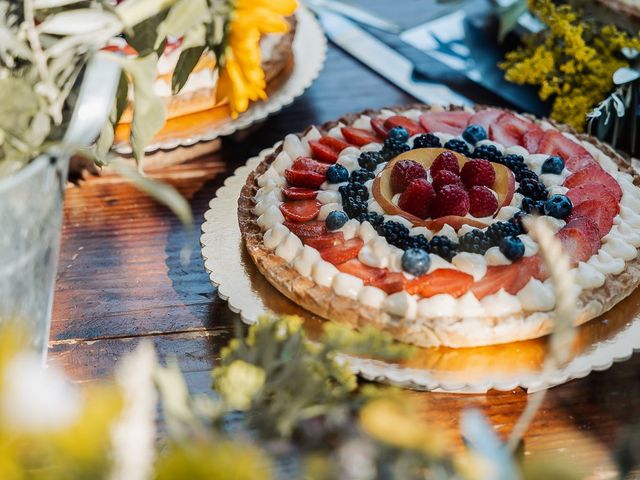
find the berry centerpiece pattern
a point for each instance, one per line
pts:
(411, 220)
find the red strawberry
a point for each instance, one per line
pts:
(445, 177)
(358, 269)
(531, 139)
(377, 125)
(509, 129)
(314, 228)
(497, 277)
(447, 160)
(322, 152)
(403, 172)
(589, 228)
(305, 164)
(409, 125)
(299, 193)
(450, 200)
(445, 122)
(485, 118)
(298, 178)
(575, 244)
(482, 202)
(358, 136)
(417, 198)
(575, 156)
(390, 282)
(342, 252)
(443, 280)
(334, 143)
(326, 240)
(589, 191)
(478, 172)
(600, 211)
(594, 174)
(301, 210)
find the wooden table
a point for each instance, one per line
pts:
(120, 280)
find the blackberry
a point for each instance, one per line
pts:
(525, 173)
(354, 207)
(475, 241)
(499, 230)
(361, 175)
(443, 247)
(427, 140)
(370, 160)
(488, 152)
(419, 241)
(395, 233)
(398, 133)
(513, 162)
(529, 205)
(533, 189)
(459, 146)
(353, 190)
(392, 147)
(516, 221)
(375, 219)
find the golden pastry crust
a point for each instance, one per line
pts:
(448, 331)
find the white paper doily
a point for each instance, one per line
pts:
(309, 53)
(611, 338)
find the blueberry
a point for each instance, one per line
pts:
(336, 219)
(415, 261)
(553, 164)
(512, 248)
(398, 133)
(558, 206)
(474, 133)
(337, 174)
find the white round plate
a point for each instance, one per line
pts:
(610, 338)
(309, 53)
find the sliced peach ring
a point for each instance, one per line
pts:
(504, 186)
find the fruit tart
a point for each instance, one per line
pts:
(411, 220)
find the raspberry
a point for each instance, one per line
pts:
(417, 198)
(451, 200)
(482, 201)
(478, 172)
(445, 177)
(403, 172)
(445, 161)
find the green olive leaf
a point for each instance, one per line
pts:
(186, 63)
(183, 17)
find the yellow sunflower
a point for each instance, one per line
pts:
(242, 79)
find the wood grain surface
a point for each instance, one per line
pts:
(120, 278)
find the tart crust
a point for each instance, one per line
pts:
(446, 331)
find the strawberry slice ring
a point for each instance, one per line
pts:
(504, 187)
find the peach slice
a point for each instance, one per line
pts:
(504, 186)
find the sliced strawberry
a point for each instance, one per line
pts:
(533, 267)
(306, 164)
(299, 193)
(600, 211)
(589, 191)
(575, 156)
(409, 125)
(390, 282)
(377, 125)
(531, 139)
(358, 269)
(342, 252)
(306, 230)
(322, 152)
(594, 174)
(443, 280)
(335, 144)
(358, 136)
(301, 210)
(575, 244)
(485, 118)
(589, 228)
(497, 277)
(445, 122)
(510, 130)
(326, 240)
(298, 178)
